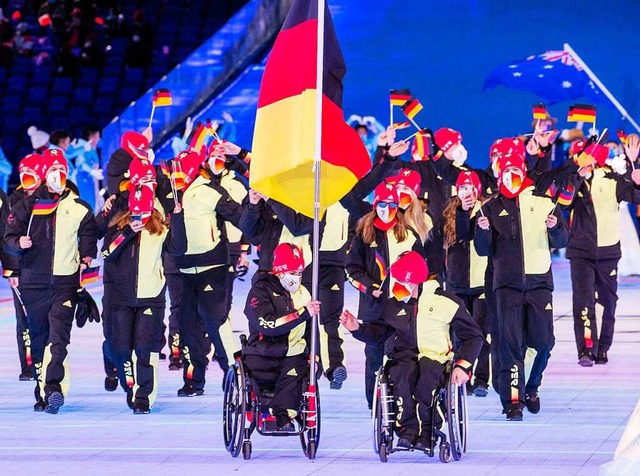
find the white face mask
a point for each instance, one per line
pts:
(291, 282)
(459, 155)
(216, 165)
(57, 181)
(387, 212)
(512, 180)
(151, 156)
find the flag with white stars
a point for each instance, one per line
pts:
(553, 75)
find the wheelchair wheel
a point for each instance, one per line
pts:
(377, 413)
(246, 450)
(310, 436)
(234, 408)
(383, 453)
(457, 419)
(445, 453)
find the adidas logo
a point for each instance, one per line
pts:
(503, 213)
(402, 312)
(67, 304)
(208, 288)
(373, 244)
(292, 372)
(613, 273)
(335, 287)
(549, 307)
(148, 312)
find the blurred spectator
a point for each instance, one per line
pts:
(140, 49)
(5, 170)
(88, 168)
(23, 41)
(6, 43)
(39, 139)
(67, 63)
(61, 140)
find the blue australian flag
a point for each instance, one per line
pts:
(554, 75)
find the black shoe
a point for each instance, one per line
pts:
(141, 408)
(602, 358)
(513, 414)
(26, 376)
(337, 378)
(54, 401)
(175, 363)
(586, 360)
(130, 399)
(422, 443)
(532, 402)
(111, 383)
(480, 389)
(189, 391)
(39, 406)
(406, 439)
(162, 356)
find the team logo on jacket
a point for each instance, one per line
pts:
(67, 304)
(335, 287)
(549, 307)
(293, 372)
(402, 312)
(503, 213)
(373, 245)
(148, 312)
(208, 288)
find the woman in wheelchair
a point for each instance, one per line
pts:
(417, 327)
(278, 308)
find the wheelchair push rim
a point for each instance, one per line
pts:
(457, 419)
(234, 408)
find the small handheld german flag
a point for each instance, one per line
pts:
(89, 275)
(44, 206)
(401, 125)
(411, 108)
(161, 98)
(539, 112)
(582, 113)
(622, 135)
(399, 96)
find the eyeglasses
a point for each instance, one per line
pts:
(391, 205)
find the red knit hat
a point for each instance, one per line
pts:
(385, 192)
(135, 144)
(410, 178)
(469, 177)
(576, 147)
(51, 157)
(287, 258)
(446, 138)
(410, 268)
(599, 152)
(139, 169)
(511, 160)
(29, 169)
(189, 162)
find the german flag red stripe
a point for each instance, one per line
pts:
(284, 138)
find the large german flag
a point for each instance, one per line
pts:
(283, 142)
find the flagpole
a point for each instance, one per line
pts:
(390, 112)
(153, 110)
(604, 89)
(317, 157)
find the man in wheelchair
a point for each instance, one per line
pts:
(417, 327)
(278, 308)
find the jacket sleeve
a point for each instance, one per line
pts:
(253, 221)
(227, 207)
(464, 224)
(115, 242)
(177, 239)
(17, 224)
(297, 223)
(626, 190)
(383, 168)
(446, 169)
(483, 239)
(374, 333)
(356, 268)
(469, 336)
(88, 236)
(559, 234)
(8, 263)
(261, 313)
(560, 175)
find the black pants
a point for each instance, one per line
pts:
(50, 314)
(23, 339)
(476, 304)
(370, 310)
(204, 301)
(136, 341)
(414, 385)
(593, 278)
(174, 285)
(331, 295)
(494, 325)
(291, 373)
(108, 358)
(526, 320)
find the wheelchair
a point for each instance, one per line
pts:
(245, 410)
(448, 399)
